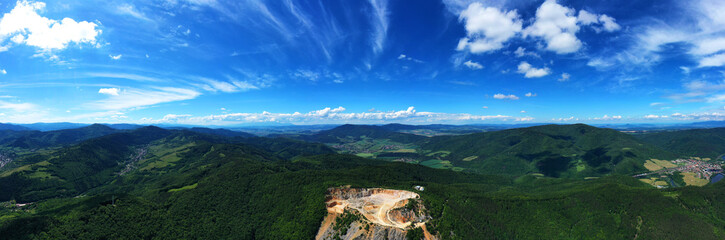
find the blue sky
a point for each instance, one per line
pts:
(217, 62)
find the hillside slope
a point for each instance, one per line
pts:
(349, 132)
(247, 196)
(554, 150)
(696, 142)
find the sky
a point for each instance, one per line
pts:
(247, 62)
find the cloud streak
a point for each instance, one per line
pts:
(333, 115)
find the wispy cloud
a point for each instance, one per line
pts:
(130, 10)
(18, 107)
(134, 98)
(379, 20)
(134, 77)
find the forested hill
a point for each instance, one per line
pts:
(228, 191)
(38, 139)
(356, 132)
(73, 170)
(686, 143)
(551, 149)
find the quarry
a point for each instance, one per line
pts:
(372, 213)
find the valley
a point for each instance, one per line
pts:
(581, 180)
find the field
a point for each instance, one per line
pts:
(471, 158)
(404, 150)
(437, 164)
(654, 182)
(441, 154)
(166, 155)
(192, 186)
(693, 180)
(31, 167)
(654, 164)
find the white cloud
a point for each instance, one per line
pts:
(26, 26)
(3, 71)
(572, 118)
(504, 96)
(488, 28)
(134, 98)
(713, 61)
(473, 65)
(607, 118)
(116, 57)
(404, 57)
(708, 46)
(557, 25)
(600, 63)
(653, 116)
(586, 18)
(334, 115)
(18, 107)
(521, 52)
(485, 107)
(564, 77)
(532, 72)
(609, 23)
(529, 94)
(702, 30)
(109, 91)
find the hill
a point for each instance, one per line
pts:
(554, 150)
(37, 139)
(53, 126)
(349, 132)
(221, 132)
(224, 191)
(12, 127)
(685, 143)
(73, 170)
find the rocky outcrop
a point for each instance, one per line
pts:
(372, 213)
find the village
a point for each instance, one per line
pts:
(702, 169)
(692, 171)
(361, 148)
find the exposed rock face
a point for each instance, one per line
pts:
(371, 213)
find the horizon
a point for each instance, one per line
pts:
(271, 125)
(236, 63)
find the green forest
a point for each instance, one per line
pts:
(192, 185)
